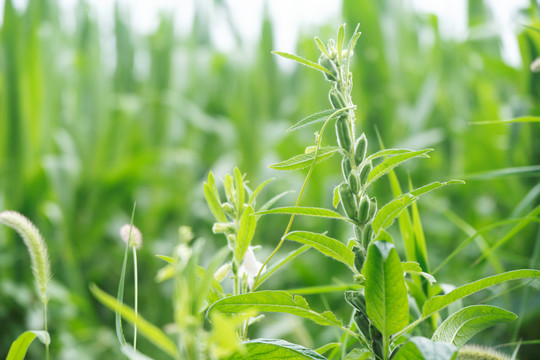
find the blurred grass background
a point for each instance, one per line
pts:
(92, 121)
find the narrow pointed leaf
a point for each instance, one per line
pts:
(385, 291)
(358, 354)
(326, 245)
(308, 211)
(387, 152)
(388, 164)
(523, 119)
(439, 302)
(459, 327)
(302, 161)
(145, 328)
(270, 349)
(248, 223)
(273, 301)
(302, 61)
(421, 348)
(214, 203)
(20, 346)
(321, 116)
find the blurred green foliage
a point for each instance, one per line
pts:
(90, 123)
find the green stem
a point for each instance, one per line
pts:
(136, 297)
(46, 330)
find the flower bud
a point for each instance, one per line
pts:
(220, 274)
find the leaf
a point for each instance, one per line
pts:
(326, 245)
(388, 164)
(325, 348)
(387, 152)
(321, 116)
(358, 354)
(270, 349)
(302, 61)
(308, 211)
(336, 198)
(212, 198)
(459, 327)
(256, 192)
(522, 171)
(439, 302)
(273, 301)
(240, 190)
(523, 119)
(385, 291)
(19, 347)
(389, 212)
(148, 330)
(421, 348)
(302, 161)
(413, 267)
(245, 234)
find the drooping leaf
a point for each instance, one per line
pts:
(145, 328)
(321, 116)
(273, 301)
(302, 61)
(462, 325)
(270, 349)
(302, 161)
(19, 347)
(421, 348)
(246, 230)
(439, 302)
(326, 245)
(385, 291)
(388, 164)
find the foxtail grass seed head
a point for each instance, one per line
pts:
(131, 235)
(36, 247)
(475, 352)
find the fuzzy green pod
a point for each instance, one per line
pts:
(336, 99)
(354, 182)
(376, 342)
(347, 200)
(343, 134)
(367, 234)
(357, 300)
(359, 257)
(363, 210)
(364, 172)
(346, 168)
(372, 207)
(360, 149)
(325, 62)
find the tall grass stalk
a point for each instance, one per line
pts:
(39, 257)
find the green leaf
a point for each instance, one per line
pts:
(522, 171)
(148, 330)
(212, 198)
(325, 348)
(387, 152)
(413, 267)
(240, 191)
(358, 354)
(386, 294)
(270, 349)
(326, 245)
(245, 234)
(389, 212)
(459, 327)
(308, 211)
(19, 347)
(256, 192)
(339, 43)
(321, 116)
(439, 302)
(321, 46)
(302, 61)
(420, 348)
(273, 301)
(523, 119)
(302, 161)
(388, 164)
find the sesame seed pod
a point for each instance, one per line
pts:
(376, 341)
(360, 149)
(336, 99)
(343, 134)
(367, 233)
(364, 172)
(346, 167)
(325, 62)
(372, 207)
(359, 257)
(363, 210)
(354, 183)
(347, 200)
